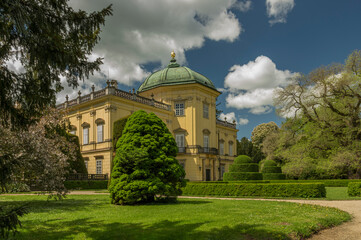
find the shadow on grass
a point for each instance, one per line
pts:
(163, 230)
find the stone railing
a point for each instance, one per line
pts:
(115, 92)
(226, 124)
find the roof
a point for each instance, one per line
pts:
(174, 74)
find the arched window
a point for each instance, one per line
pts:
(230, 144)
(85, 127)
(100, 129)
(221, 147)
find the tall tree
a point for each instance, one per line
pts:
(145, 168)
(246, 147)
(49, 39)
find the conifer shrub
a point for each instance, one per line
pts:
(271, 171)
(145, 168)
(354, 189)
(243, 168)
(118, 128)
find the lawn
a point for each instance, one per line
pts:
(92, 217)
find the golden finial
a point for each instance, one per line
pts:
(172, 54)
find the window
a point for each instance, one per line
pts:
(86, 164)
(85, 135)
(72, 129)
(206, 143)
(179, 139)
(100, 128)
(99, 166)
(223, 170)
(230, 148)
(205, 110)
(179, 109)
(72, 132)
(221, 148)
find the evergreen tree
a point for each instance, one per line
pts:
(145, 168)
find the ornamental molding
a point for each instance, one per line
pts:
(78, 116)
(206, 131)
(99, 121)
(93, 113)
(85, 125)
(110, 108)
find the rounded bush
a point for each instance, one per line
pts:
(269, 163)
(271, 169)
(236, 176)
(242, 159)
(249, 167)
(274, 176)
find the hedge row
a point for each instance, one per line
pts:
(236, 176)
(271, 169)
(80, 185)
(225, 182)
(303, 190)
(327, 182)
(273, 176)
(245, 167)
(354, 189)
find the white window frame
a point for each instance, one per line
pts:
(85, 135)
(221, 148)
(179, 138)
(223, 170)
(230, 148)
(99, 166)
(206, 143)
(100, 137)
(86, 164)
(179, 108)
(205, 110)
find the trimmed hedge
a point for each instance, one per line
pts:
(81, 185)
(237, 176)
(242, 159)
(224, 182)
(273, 176)
(327, 182)
(248, 167)
(303, 190)
(354, 189)
(271, 169)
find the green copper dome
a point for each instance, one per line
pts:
(174, 74)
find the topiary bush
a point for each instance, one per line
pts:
(243, 168)
(118, 128)
(145, 168)
(354, 189)
(271, 171)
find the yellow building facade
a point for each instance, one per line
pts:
(186, 102)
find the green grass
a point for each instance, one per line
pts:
(92, 217)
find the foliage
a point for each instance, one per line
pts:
(50, 40)
(81, 185)
(354, 189)
(271, 171)
(15, 188)
(92, 216)
(145, 168)
(242, 169)
(261, 131)
(76, 164)
(246, 147)
(322, 136)
(35, 156)
(302, 190)
(118, 128)
(9, 219)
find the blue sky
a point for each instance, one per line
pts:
(265, 45)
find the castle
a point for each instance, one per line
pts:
(186, 102)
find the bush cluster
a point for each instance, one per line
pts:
(301, 190)
(82, 185)
(271, 171)
(354, 189)
(243, 169)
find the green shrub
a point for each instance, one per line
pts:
(118, 128)
(82, 185)
(269, 163)
(271, 169)
(273, 176)
(327, 182)
(303, 190)
(354, 189)
(15, 187)
(242, 159)
(248, 167)
(236, 176)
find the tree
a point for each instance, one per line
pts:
(145, 168)
(321, 137)
(50, 40)
(261, 131)
(246, 147)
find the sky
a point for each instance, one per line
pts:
(247, 48)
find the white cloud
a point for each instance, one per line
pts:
(231, 117)
(140, 32)
(261, 73)
(243, 121)
(243, 6)
(277, 10)
(252, 85)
